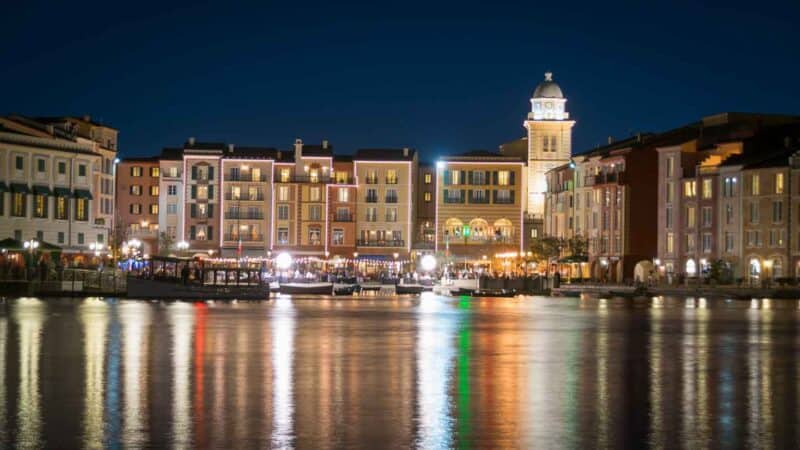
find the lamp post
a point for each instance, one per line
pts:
(182, 246)
(31, 246)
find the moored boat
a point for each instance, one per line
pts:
(306, 288)
(414, 289)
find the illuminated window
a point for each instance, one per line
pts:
(136, 189)
(283, 193)
(427, 196)
(754, 185)
(286, 175)
(255, 174)
(779, 183)
(283, 212)
(154, 208)
(314, 236)
(283, 236)
(391, 214)
(707, 188)
(61, 208)
(504, 178)
(155, 172)
(372, 176)
(39, 206)
(154, 191)
(690, 219)
(338, 236)
(82, 209)
(391, 176)
(236, 193)
(670, 166)
(136, 171)
(428, 178)
(344, 195)
(690, 189)
(315, 194)
(670, 243)
(202, 192)
(253, 193)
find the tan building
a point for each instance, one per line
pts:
(138, 189)
(52, 175)
(342, 200)
(480, 201)
(559, 202)
(385, 203)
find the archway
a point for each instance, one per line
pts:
(503, 229)
(777, 267)
(643, 271)
(754, 271)
(479, 229)
(691, 268)
(453, 227)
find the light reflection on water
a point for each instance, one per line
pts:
(396, 373)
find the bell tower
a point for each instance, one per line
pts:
(549, 139)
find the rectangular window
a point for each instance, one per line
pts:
(315, 194)
(690, 218)
(154, 191)
(670, 192)
(314, 236)
(503, 177)
(372, 176)
(338, 236)
(372, 196)
(81, 170)
(342, 177)
(315, 212)
(154, 208)
(728, 214)
(391, 196)
(504, 196)
(60, 237)
(62, 168)
(670, 243)
(754, 213)
(707, 216)
(777, 212)
(779, 183)
(391, 176)
(690, 189)
(18, 203)
(136, 171)
(372, 214)
(136, 189)
(255, 174)
(81, 238)
(40, 206)
(670, 166)
(344, 195)
(283, 193)
(40, 165)
(172, 208)
(343, 214)
(283, 212)
(707, 188)
(754, 184)
(455, 177)
(19, 163)
(728, 242)
(706, 242)
(155, 172)
(61, 208)
(172, 189)
(391, 214)
(689, 242)
(428, 178)
(283, 235)
(669, 217)
(426, 196)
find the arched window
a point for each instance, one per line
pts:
(691, 267)
(755, 268)
(503, 229)
(453, 227)
(479, 229)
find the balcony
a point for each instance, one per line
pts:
(244, 215)
(244, 237)
(372, 199)
(343, 218)
(391, 199)
(305, 179)
(605, 178)
(380, 243)
(245, 198)
(245, 177)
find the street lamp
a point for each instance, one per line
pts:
(428, 263)
(96, 247)
(182, 246)
(31, 246)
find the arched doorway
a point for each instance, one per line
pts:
(644, 271)
(777, 267)
(754, 269)
(691, 268)
(479, 229)
(503, 230)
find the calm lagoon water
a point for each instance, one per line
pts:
(426, 372)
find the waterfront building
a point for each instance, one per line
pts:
(342, 200)
(480, 202)
(425, 232)
(385, 204)
(559, 208)
(56, 179)
(138, 192)
(713, 202)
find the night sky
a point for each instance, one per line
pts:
(443, 78)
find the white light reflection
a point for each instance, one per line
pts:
(181, 317)
(135, 318)
(29, 315)
(94, 317)
(283, 324)
(435, 354)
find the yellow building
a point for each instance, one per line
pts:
(480, 200)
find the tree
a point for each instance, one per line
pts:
(546, 248)
(165, 242)
(577, 246)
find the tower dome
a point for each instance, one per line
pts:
(548, 88)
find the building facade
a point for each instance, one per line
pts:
(138, 192)
(53, 177)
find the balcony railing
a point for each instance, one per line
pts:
(605, 178)
(380, 243)
(244, 215)
(245, 197)
(245, 177)
(244, 237)
(305, 179)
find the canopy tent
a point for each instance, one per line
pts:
(18, 246)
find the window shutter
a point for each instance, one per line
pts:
(193, 210)
(211, 211)
(192, 233)
(469, 192)
(446, 198)
(194, 172)
(463, 195)
(494, 178)
(494, 196)
(469, 177)
(511, 178)
(210, 235)
(211, 173)
(211, 192)
(512, 195)
(447, 178)
(194, 192)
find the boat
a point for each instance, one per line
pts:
(345, 289)
(494, 293)
(414, 289)
(306, 288)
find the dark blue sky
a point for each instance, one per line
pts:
(443, 78)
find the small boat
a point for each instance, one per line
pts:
(345, 289)
(306, 288)
(414, 289)
(494, 293)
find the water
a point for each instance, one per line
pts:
(399, 373)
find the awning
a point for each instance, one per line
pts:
(3, 187)
(83, 193)
(19, 188)
(38, 189)
(62, 192)
(573, 259)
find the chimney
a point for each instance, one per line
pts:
(405, 152)
(325, 144)
(230, 148)
(191, 141)
(610, 140)
(298, 150)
